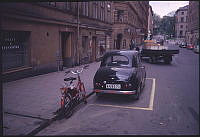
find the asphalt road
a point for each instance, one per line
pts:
(169, 105)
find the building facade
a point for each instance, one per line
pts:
(150, 20)
(41, 37)
(181, 22)
(192, 35)
(130, 22)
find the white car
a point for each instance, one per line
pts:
(196, 48)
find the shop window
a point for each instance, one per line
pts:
(14, 49)
(52, 4)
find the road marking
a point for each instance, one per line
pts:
(141, 108)
(120, 106)
(152, 93)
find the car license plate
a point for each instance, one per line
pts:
(113, 86)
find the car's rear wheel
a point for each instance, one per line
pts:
(144, 81)
(168, 59)
(137, 95)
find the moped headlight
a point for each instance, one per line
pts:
(72, 86)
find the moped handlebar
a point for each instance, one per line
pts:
(77, 71)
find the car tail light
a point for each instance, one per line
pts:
(98, 84)
(127, 85)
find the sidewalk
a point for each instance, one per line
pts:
(28, 102)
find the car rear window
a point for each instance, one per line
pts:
(116, 60)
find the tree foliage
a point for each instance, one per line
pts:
(164, 25)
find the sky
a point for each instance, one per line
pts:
(162, 8)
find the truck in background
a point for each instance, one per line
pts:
(155, 51)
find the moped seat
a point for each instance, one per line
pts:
(69, 79)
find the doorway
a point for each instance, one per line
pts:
(119, 40)
(66, 45)
(93, 49)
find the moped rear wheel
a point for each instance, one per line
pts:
(68, 108)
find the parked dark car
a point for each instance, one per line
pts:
(183, 45)
(196, 46)
(120, 72)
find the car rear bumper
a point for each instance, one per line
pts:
(115, 91)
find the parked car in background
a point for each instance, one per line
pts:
(190, 46)
(196, 47)
(120, 72)
(183, 45)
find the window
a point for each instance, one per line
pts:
(115, 44)
(85, 8)
(68, 5)
(103, 13)
(182, 19)
(108, 12)
(102, 4)
(116, 60)
(109, 6)
(124, 43)
(118, 15)
(95, 10)
(181, 33)
(52, 4)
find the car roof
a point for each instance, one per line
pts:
(122, 52)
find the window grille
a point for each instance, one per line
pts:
(14, 45)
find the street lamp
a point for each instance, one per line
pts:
(77, 46)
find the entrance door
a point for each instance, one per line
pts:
(84, 55)
(119, 41)
(66, 48)
(93, 48)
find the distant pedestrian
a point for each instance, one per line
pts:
(132, 44)
(137, 49)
